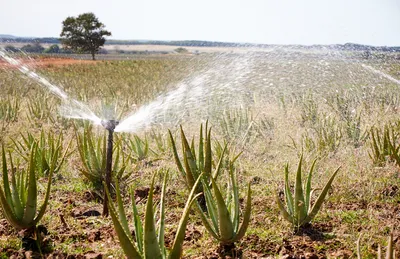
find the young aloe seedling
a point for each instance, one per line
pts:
(299, 211)
(18, 199)
(149, 244)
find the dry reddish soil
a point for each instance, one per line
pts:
(47, 62)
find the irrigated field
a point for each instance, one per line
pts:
(273, 107)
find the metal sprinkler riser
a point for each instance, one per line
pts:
(110, 126)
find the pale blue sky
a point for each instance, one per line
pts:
(374, 22)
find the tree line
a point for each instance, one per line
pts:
(37, 48)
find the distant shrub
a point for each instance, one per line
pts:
(181, 50)
(52, 49)
(35, 48)
(11, 48)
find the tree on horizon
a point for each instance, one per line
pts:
(83, 34)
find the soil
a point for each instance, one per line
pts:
(47, 62)
(78, 223)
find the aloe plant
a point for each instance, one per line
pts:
(139, 148)
(240, 125)
(40, 111)
(299, 210)
(384, 145)
(50, 155)
(222, 150)
(92, 152)
(219, 216)
(18, 199)
(149, 243)
(162, 144)
(9, 109)
(194, 165)
(390, 252)
(223, 218)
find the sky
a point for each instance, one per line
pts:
(307, 22)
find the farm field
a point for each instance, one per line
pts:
(272, 107)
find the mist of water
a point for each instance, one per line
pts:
(219, 86)
(70, 107)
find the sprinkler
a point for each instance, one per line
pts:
(110, 126)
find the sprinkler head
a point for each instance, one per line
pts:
(109, 124)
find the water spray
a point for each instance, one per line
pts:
(109, 125)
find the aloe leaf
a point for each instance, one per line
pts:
(208, 155)
(288, 193)
(225, 223)
(6, 182)
(308, 188)
(219, 165)
(189, 161)
(8, 213)
(53, 160)
(64, 155)
(236, 157)
(211, 206)
(80, 147)
(16, 201)
(116, 158)
(138, 224)
(121, 212)
(321, 198)
(201, 150)
(138, 145)
(151, 246)
(284, 212)
(21, 184)
(46, 199)
(87, 157)
(299, 203)
(193, 150)
(375, 144)
(235, 192)
(174, 151)
(176, 250)
(125, 241)
(91, 149)
(207, 225)
(162, 216)
(31, 203)
(246, 217)
(44, 165)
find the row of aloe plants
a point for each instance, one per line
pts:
(220, 216)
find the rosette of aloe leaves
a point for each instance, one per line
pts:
(148, 242)
(19, 195)
(300, 211)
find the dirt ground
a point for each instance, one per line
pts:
(47, 62)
